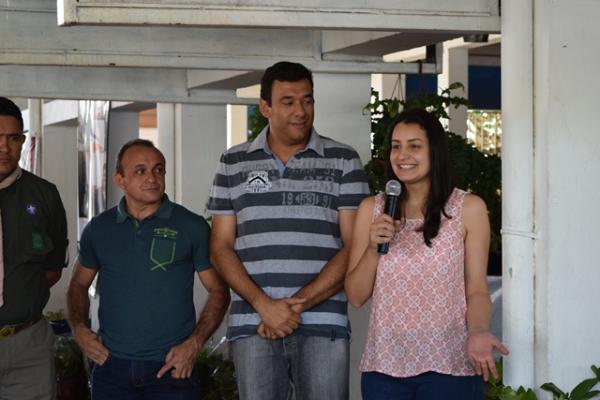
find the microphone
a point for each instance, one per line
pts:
(392, 192)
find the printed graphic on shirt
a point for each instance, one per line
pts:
(258, 182)
(162, 248)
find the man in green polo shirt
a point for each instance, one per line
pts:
(146, 252)
(33, 245)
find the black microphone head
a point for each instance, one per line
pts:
(393, 188)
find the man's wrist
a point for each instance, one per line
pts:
(196, 342)
(260, 302)
(77, 325)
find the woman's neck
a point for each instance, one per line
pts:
(416, 199)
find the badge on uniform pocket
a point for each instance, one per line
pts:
(162, 248)
(37, 241)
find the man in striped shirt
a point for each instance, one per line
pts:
(283, 209)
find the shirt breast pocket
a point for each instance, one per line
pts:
(162, 253)
(35, 243)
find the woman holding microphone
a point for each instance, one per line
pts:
(428, 336)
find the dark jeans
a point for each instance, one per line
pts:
(120, 379)
(427, 386)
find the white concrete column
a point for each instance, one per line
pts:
(165, 119)
(518, 192)
(563, 150)
(237, 124)
(35, 130)
(339, 103)
(456, 69)
(567, 196)
(201, 137)
(58, 161)
(123, 126)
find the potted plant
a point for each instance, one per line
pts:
(216, 377)
(71, 377)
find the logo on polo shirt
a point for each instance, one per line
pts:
(165, 233)
(258, 182)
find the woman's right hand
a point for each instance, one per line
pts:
(382, 231)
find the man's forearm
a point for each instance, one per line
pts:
(78, 305)
(232, 271)
(211, 316)
(329, 281)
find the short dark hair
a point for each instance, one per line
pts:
(284, 71)
(440, 173)
(9, 108)
(132, 143)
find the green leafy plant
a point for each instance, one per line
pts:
(582, 391)
(256, 122)
(67, 358)
(496, 390)
(216, 377)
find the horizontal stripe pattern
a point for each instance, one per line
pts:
(323, 330)
(282, 292)
(287, 238)
(329, 307)
(283, 224)
(308, 318)
(288, 224)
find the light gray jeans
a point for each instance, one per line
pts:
(27, 364)
(295, 367)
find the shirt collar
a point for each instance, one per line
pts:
(164, 211)
(260, 143)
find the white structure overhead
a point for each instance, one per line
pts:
(201, 52)
(31, 37)
(204, 63)
(442, 16)
(103, 83)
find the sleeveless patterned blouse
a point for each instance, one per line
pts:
(418, 308)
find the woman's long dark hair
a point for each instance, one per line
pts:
(440, 170)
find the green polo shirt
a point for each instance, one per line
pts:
(34, 232)
(145, 277)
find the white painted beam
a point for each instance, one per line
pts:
(337, 41)
(434, 15)
(133, 84)
(222, 80)
(378, 44)
(418, 53)
(95, 83)
(199, 78)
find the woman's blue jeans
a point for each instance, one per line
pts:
(427, 386)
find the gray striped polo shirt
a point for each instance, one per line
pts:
(287, 224)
